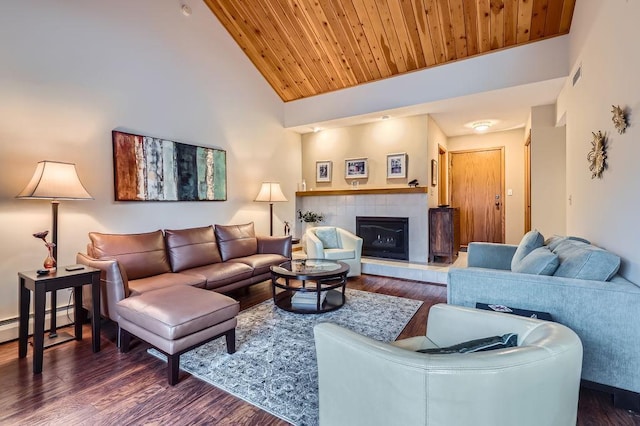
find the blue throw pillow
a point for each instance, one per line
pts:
(531, 241)
(328, 236)
(508, 340)
(555, 240)
(541, 261)
(585, 261)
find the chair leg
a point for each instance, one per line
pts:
(173, 368)
(231, 340)
(125, 338)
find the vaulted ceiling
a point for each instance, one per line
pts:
(309, 47)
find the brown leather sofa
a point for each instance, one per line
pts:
(220, 258)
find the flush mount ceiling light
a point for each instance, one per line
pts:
(481, 126)
(186, 10)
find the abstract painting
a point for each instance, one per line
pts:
(152, 169)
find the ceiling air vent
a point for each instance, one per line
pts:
(577, 75)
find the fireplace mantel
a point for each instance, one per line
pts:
(363, 191)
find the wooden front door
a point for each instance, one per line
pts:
(477, 189)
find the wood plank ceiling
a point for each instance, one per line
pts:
(308, 47)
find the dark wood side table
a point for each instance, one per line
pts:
(444, 233)
(40, 285)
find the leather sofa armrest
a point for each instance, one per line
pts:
(114, 284)
(275, 245)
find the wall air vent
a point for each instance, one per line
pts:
(577, 75)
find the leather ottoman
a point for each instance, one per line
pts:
(177, 319)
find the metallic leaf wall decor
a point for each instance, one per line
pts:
(597, 156)
(152, 169)
(619, 119)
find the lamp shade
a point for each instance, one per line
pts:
(270, 192)
(55, 181)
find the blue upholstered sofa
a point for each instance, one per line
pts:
(578, 284)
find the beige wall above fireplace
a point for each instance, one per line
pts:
(373, 141)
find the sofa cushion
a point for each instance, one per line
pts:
(220, 274)
(328, 236)
(174, 313)
(190, 248)
(236, 240)
(540, 261)
(531, 241)
(585, 261)
(260, 263)
(141, 255)
(169, 279)
(553, 241)
(339, 254)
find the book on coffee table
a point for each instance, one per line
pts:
(303, 299)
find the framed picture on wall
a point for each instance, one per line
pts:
(356, 168)
(323, 171)
(434, 172)
(397, 165)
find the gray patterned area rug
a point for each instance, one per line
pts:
(274, 366)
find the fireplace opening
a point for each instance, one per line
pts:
(386, 237)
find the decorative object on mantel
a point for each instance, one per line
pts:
(323, 171)
(356, 168)
(270, 192)
(49, 261)
(287, 229)
(414, 183)
(434, 172)
(619, 118)
(597, 156)
(153, 169)
(397, 165)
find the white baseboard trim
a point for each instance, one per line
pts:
(9, 328)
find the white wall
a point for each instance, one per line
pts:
(513, 143)
(548, 188)
(604, 39)
(374, 141)
(74, 71)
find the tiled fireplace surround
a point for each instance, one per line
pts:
(340, 208)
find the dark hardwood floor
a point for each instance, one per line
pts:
(109, 388)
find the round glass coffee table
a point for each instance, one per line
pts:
(309, 286)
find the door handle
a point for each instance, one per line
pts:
(498, 201)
